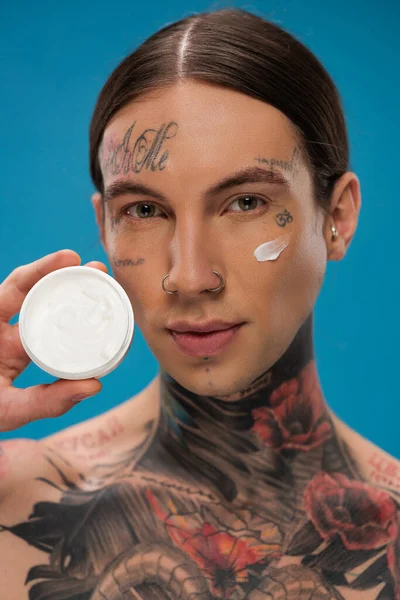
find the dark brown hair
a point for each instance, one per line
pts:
(239, 50)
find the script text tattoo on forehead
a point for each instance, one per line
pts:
(145, 152)
(286, 165)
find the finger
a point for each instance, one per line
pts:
(14, 288)
(47, 400)
(97, 265)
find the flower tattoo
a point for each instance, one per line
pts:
(362, 516)
(296, 418)
(223, 554)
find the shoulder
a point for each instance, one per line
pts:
(17, 457)
(105, 436)
(78, 448)
(379, 468)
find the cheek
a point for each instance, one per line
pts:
(285, 290)
(301, 275)
(140, 283)
(143, 287)
(140, 274)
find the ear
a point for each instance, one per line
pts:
(98, 206)
(345, 208)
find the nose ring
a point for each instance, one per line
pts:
(217, 289)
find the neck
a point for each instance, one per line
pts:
(272, 437)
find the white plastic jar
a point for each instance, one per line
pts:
(76, 323)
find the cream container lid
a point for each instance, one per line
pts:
(76, 323)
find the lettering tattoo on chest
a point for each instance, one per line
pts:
(238, 500)
(90, 444)
(385, 471)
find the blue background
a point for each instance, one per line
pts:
(55, 58)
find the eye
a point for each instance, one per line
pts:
(144, 210)
(248, 202)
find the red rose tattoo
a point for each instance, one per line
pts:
(296, 417)
(362, 516)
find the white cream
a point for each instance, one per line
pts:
(76, 323)
(271, 250)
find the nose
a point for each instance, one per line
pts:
(192, 268)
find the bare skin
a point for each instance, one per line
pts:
(228, 476)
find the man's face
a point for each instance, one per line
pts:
(180, 143)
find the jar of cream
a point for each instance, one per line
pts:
(76, 323)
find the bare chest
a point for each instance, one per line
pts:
(137, 538)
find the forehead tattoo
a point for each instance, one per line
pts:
(135, 153)
(286, 165)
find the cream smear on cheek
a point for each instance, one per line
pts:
(271, 250)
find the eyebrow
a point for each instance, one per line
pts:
(248, 175)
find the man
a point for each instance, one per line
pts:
(228, 476)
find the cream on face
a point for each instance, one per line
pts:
(271, 250)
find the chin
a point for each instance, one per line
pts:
(230, 375)
(225, 382)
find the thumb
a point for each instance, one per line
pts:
(43, 401)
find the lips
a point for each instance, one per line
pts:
(201, 327)
(207, 343)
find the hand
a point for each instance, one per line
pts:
(19, 406)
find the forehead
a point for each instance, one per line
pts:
(206, 112)
(214, 130)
